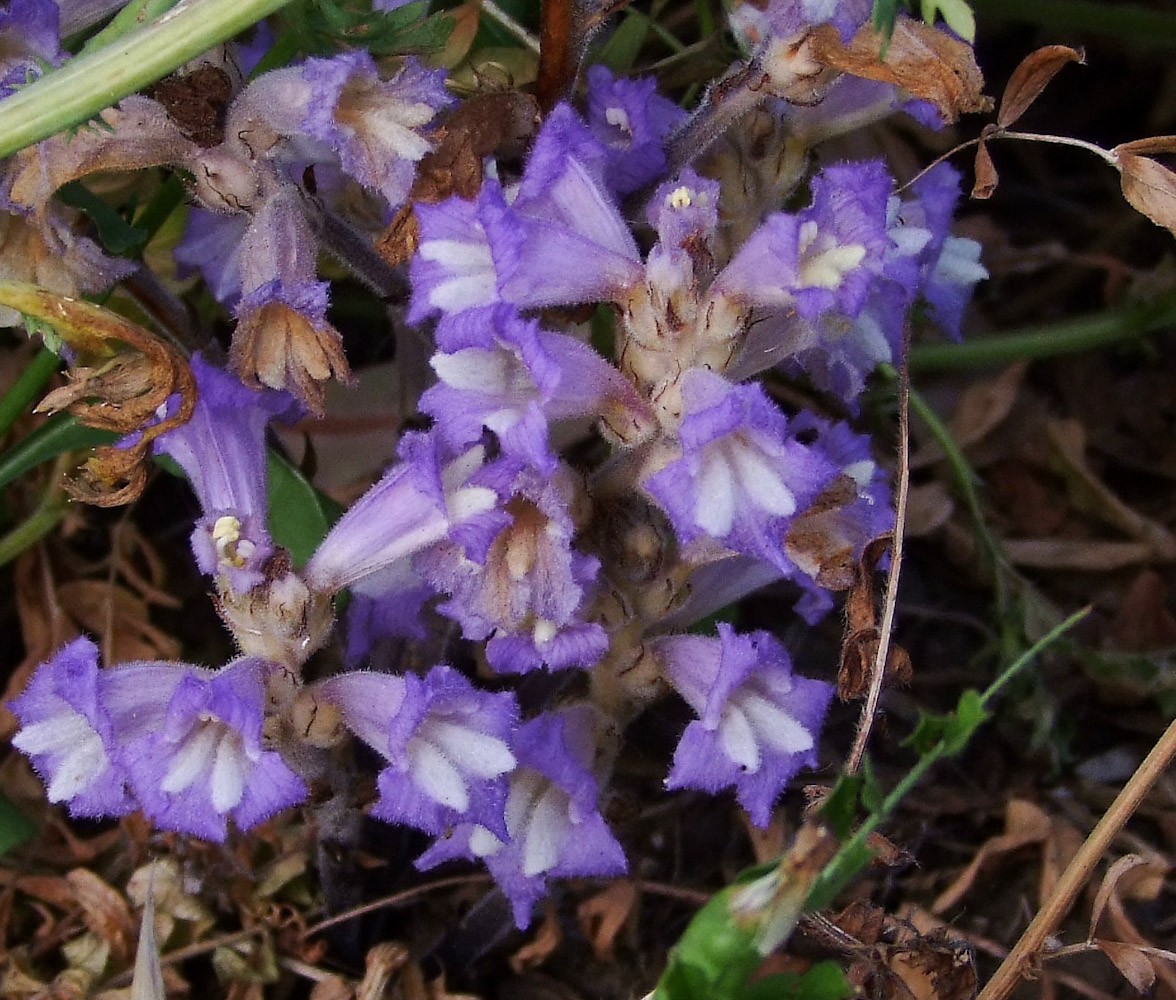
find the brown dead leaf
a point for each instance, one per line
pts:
(982, 407)
(1143, 621)
(862, 921)
(1025, 823)
(1110, 884)
(1146, 147)
(1031, 77)
(920, 59)
(1148, 186)
(817, 539)
(929, 508)
(1135, 966)
(935, 967)
(1067, 440)
(104, 911)
(1124, 938)
(536, 951)
(888, 854)
(603, 916)
(1081, 555)
(382, 962)
(986, 176)
(768, 842)
(1059, 849)
(119, 619)
(332, 988)
(481, 126)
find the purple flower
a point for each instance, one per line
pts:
(373, 125)
(563, 213)
(186, 740)
(28, 40)
(66, 730)
(757, 721)
(631, 120)
(211, 246)
(418, 502)
(190, 740)
(525, 586)
(742, 475)
(824, 259)
(758, 26)
(444, 740)
(453, 269)
(506, 374)
(553, 826)
(950, 264)
(222, 451)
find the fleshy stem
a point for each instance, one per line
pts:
(1102, 329)
(87, 84)
(1078, 872)
(853, 853)
(132, 17)
(878, 670)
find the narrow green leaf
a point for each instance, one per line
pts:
(969, 715)
(620, 52)
(842, 870)
(60, 433)
(117, 235)
(15, 826)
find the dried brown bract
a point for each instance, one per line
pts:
(121, 375)
(923, 60)
(487, 124)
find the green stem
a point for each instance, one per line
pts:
(133, 16)
(1102, 329)
(87, 84)
(1126, 22)
(27, 388)
(844, 865)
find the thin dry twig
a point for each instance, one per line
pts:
(396, 899)
(878, 671)
(1078, 872)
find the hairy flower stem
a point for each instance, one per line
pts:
(356, 253)
(87, 84)
(728, 100)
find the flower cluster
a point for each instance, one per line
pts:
(697, 488)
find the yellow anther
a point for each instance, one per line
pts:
(680, 197)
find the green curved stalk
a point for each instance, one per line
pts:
(87, 84)
(1048, 340)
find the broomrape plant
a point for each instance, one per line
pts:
(577, 505)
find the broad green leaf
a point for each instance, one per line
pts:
(299, 515)
(824, 981)
(620, 52)
(15, 826)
